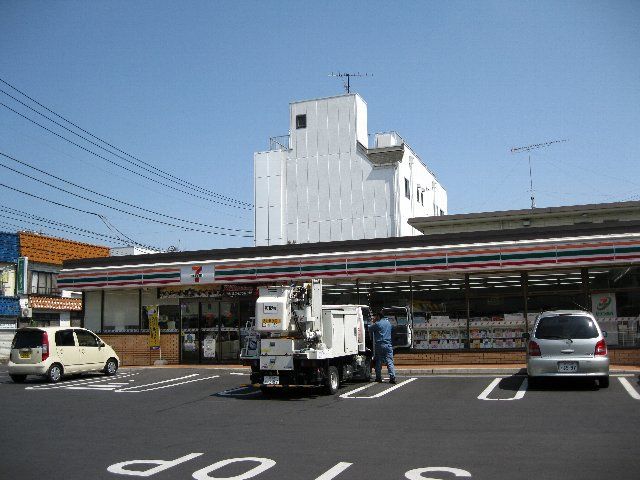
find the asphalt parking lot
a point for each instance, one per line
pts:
(165, 423)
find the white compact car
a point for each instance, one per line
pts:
(55, 351)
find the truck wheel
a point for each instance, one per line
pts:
(332, 383)
(367, 370)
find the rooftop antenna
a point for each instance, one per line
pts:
(347, 84)
(528, 148)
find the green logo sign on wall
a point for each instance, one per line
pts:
(21, 281)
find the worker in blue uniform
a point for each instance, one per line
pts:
(383, 349)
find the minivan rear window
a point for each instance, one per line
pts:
(566, 326)
(27, 339)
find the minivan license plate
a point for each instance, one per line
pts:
(271, 380)
(567, 367)
(25, 354)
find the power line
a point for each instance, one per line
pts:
(164, 174)
(122, 166)
(43, 220)
(114, 208)
(106, 196)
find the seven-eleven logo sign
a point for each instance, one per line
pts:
(197, 273)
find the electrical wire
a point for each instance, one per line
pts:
(117, 209)
(111, 198)
(20, 213)
(164, 174)
(125, 168)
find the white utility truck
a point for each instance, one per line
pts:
(297, 341)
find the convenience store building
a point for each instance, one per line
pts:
(474, 283)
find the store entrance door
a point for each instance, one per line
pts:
(210, 331)
(219, 331)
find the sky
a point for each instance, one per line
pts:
(194, 88)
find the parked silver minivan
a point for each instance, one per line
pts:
(567, 343)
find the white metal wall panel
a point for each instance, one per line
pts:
(361, 122)
(303, 232)
(336, 230)
(324, 181)
(369, 227)
(345, 186)
(260, 164)
(275, 225)
(347, 229)
(302, 190)
(346, 130)
(262, 226)
(382, 227)
(333, 127)
(357, 183)
(358, 228)
(325, 231)
(334, 188)
(262, 192)
(292, 232)
(313, 182)
(291, 192)
(314, 232)
(322, 113)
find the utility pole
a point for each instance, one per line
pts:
(528, 148)
(347, 84)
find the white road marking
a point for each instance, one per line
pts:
(161, 382)
(73, 383)
(128, 389)
(377, 395)
(334, 471)
(230, 392)
(237, 373)
(629, 388)
(519, 394)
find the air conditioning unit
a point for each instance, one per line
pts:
(26, 312)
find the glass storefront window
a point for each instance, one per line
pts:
(496, 310)
(554, 282)
(121, 310)
(93, 310)
(614, 278)
(439, 312)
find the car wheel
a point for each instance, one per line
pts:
(111, 367)
(332, 383)
(18, 378)
(54, 374)
(603, 382)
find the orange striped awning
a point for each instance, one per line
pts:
(56, 303)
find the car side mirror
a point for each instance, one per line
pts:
(526, 335)
(102, 344)
(604, 333)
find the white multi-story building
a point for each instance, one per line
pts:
(323, 182)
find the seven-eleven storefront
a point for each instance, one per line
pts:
(470, 295)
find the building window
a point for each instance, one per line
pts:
(407, 188)
(43, 283)
(301, 121)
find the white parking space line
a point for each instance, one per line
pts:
(238, 373)
(377, 395)
(127, 390)
(161, 382)
(629, 388)
(81, 382)
(519, 394)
